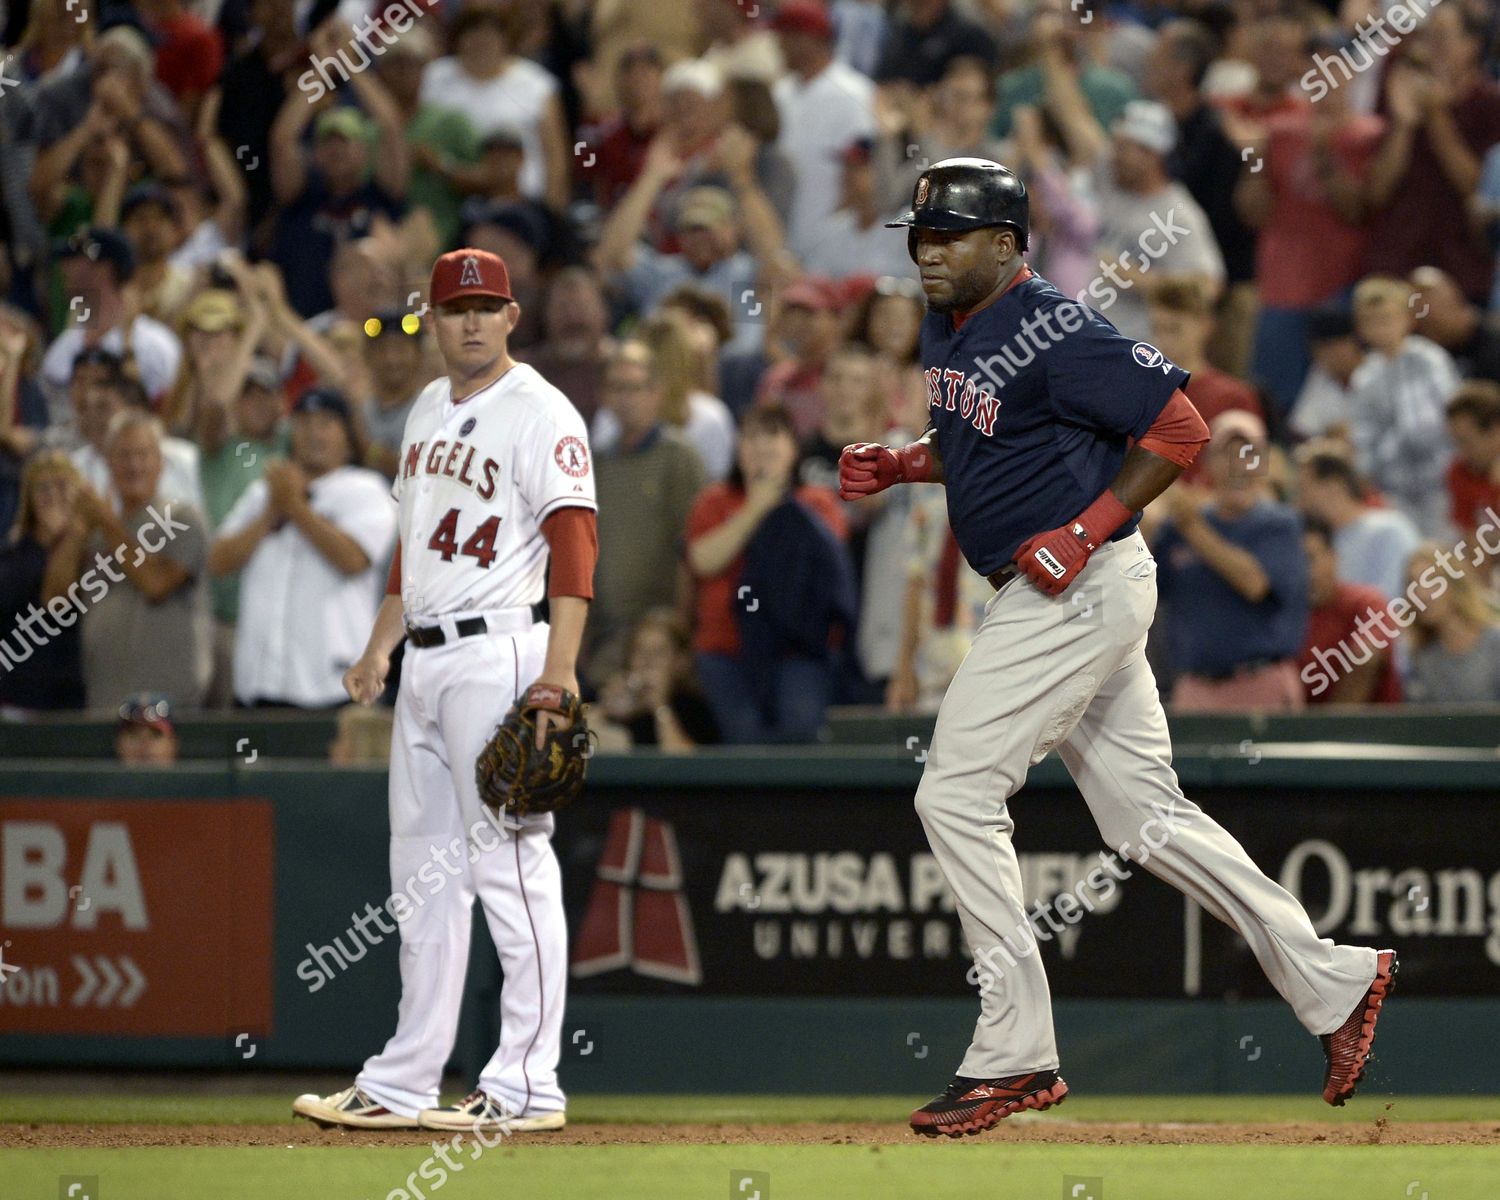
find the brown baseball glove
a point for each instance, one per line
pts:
(514, 776)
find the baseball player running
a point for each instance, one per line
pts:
(495, 473)
(1051, 432)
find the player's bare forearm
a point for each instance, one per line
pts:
(1142, 478)
(566, 620)
(388, 630)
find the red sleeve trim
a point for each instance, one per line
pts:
(573, 535)
(393, 580)
(1178, 434)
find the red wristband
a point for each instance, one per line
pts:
(1100, 519)
(915, 463)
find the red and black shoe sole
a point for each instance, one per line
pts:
(986, 1114)
(1374, 1001)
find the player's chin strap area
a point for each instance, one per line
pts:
(427, 631)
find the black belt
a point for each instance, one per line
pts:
(1004, 575)
(433, 635)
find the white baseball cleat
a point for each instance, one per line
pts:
(350, 1108)
(478, 1111)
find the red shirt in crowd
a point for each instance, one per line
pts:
(715, 631)
(1471, 492)
(619, 154)
(190, 56)
(1331, 627)
(797, 387)
(1212, 392)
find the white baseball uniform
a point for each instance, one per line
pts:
(477, 479)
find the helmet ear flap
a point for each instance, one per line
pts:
(911, 242)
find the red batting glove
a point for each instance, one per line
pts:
(866, 468)
(1052, 560)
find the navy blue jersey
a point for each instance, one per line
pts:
(1033, 401)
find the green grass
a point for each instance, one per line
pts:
(922, 1170)
(939, 1171)
(276, 1110)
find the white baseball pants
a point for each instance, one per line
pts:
(1070, 672)
(446, 849)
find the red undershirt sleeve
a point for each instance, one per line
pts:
(393, 580)
(573, 535)
(1178, 434)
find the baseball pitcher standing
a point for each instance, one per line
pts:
(1051, 432)
(494, 473)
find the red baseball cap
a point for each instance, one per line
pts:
(803, 16)
(468, 272)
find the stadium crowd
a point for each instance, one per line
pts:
(218, 217)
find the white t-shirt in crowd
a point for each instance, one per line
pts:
(820, 117)
(181, 482)
(515, 99)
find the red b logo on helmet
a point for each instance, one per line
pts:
(921, 191)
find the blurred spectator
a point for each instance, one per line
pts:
(708, 223)
(258, 76)
(762, 695)
(210, 215)
(107, 93)
(1304, 192)
(1444, 114)
(738, 371)
(394, 354)
(670, 25)
(23, 407)
(45, 672)
(1450, 319)
(1064, 71)
(1274, 41)
(1344, 659)
(1474, 475)
(1325, 405)
(753, 109)
(861, 28)
(115, 392)
(951, 119)
(1148, 221)
(444, 143)
(926, 38)
(681, 372)
(333, 193)
(943, 602)
(696, 111)
(854, 240)
(487, 79)
(617, 146)
(737, 43)
(1182, 323)
(145, 735)
(189, 51)
(854, 411)
(1484, 215)
(1400, 393)
(1064, 215)
(576, 342)
(219, 334)
(236, 451)
(150, 218)
(1454, 641)
(655, 695)
(808, 326)
(310, 540)
(45, 37)
(648, 479)
(149, 628)
(1372, 544)
(1208, 164)
(96, 267)
(890, 323)
(824, 106)
(1234, 578)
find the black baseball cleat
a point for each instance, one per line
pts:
(1348, 1047)
(974, 1105)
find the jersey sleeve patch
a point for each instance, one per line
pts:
(572, 456)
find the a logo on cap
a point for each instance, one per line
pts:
(471, 276)
(572, 456)
(922, 185)
(467, 427)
